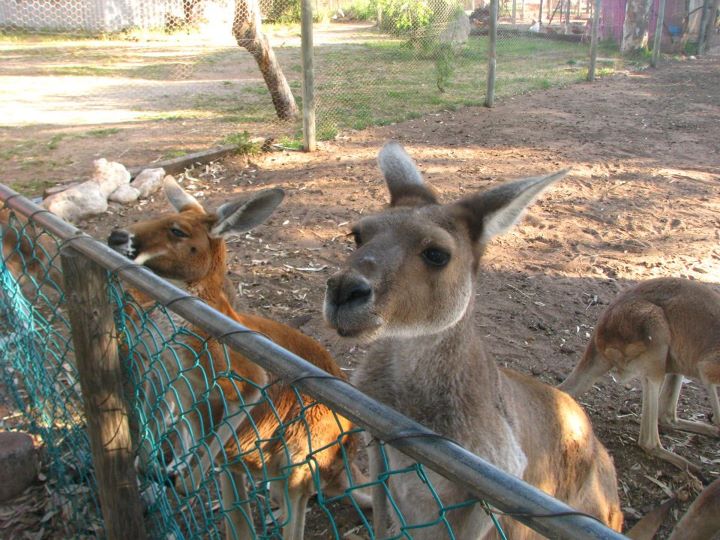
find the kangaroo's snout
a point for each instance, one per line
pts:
(123, 242)
(348, 291)
(349, 307)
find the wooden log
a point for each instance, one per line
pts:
(179, 164)
(106, 407)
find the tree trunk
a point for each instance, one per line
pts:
(248, 34)
(635, 28)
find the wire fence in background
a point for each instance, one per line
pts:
(215, 453)
(148, 80)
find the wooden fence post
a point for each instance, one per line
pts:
(594, 37)
(106, 408)
(308, 88)
(492, 54)
(658, 34)
(703, 27)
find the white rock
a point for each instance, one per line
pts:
(125, 194)
(148, 181)
(78, 202)
(109, 175)
(457, 30)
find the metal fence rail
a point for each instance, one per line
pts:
(504, 492)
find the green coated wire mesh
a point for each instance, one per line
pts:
(38, 371)
(185, 393)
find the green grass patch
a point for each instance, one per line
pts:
(391, 80)
(54, 141)
(174, 153)
(101, 133)
(32, 188)
(244, 145)
(292, 143)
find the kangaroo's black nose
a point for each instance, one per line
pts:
(123, 242)
(351, 291)
(118, 237)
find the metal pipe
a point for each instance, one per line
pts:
(505, 492)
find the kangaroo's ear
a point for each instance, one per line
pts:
(404, 181)
(178, 197)
(497, 210)
(246, 213)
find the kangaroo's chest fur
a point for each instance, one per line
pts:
(453, 389)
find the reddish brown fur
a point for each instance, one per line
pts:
(26, 251)
(200, 261)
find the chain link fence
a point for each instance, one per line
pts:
(143, 81)
(138, 82)
(213, 453)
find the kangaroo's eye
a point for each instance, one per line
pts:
(436, 257)
(179, 233)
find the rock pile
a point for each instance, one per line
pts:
(110, 182)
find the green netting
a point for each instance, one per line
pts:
(184, 395)
(38, 372)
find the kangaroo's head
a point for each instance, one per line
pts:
(414, 268)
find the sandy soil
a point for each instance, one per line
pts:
(642, 200)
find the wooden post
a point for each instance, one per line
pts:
(106, 408)
(594, 40)
(492, 54)
(308, 89)
(540, 13)
(514, 12)
(703, 28)
(658, 34)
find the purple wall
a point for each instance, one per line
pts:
(612, 15)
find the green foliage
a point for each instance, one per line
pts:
(243, 143)
(404, 16)
(691, 48)
(327, 132)
(292, 143)
(284, 12)
(361, 10)
(444, 65)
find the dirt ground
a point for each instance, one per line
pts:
(642, 200)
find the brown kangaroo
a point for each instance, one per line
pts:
(410, 288)
(660, 330)
(288, 437)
